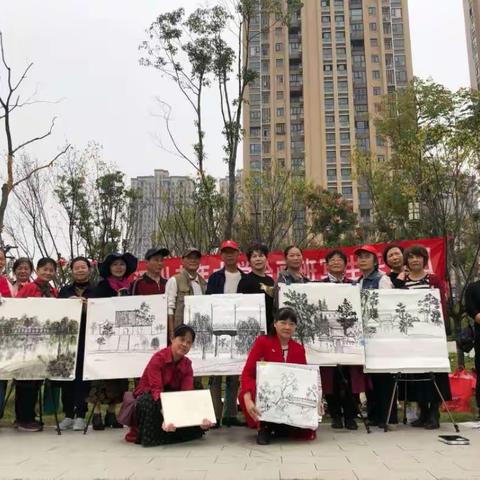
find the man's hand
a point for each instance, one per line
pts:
(252, 410)
(168, 428)
(206, 424)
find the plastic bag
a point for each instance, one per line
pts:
(462, 385)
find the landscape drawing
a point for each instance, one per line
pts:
(329, 321)
(226, 327)
(404, 331)
(288, 393)
(122, 333)
(39, 338)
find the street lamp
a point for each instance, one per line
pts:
(413, 211)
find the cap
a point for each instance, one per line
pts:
(151, 252)
(366, 248)
(229, 244)
(182, 329)
(190, 250)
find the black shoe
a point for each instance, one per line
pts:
(97, 422)
(263, 436)
(218, 424)
(418, 423)
(432, 426)
(351, 424)
(232, 422)
(111, 420)
(337, 423)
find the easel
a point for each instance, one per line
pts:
(89, 418)
(349, 393)
(48, 385)
(397, 379)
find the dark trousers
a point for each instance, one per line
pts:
(74, 395)
(477, 368)
(341, 403)
(26, 396)
(378, 398)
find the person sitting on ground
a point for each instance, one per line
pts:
(169, 370)
(275, 347)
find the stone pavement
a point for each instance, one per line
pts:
(231, 453)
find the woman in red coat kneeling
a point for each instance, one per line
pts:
(277, 347)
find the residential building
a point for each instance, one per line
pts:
(472, 26)
(321, 81)
(158, 194)
(224, 182)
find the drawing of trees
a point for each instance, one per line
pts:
(305, 331)
(105, 333)
(202, 325)
(429, 307)
(247, 331)
(369, 301)
(322, 327)
(347, 317)
(405, 320)
(155, 343)
(100, 341)
(144, 317)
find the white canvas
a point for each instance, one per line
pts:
(329, 321)
(187, 409)
(288, 393)
(226, 327)
(39, 338)
(404, 331)
(122, 334)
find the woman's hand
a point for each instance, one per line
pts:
(252, 410)
(168, 428)
(206, 424)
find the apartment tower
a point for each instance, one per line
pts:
(472, 26)
(321, 80)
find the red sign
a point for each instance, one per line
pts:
(314, 260)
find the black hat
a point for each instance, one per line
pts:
(182, 329)
(151, 252)
(191, 250)
(128, 258)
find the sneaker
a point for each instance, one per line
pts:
(66, 424)
(351, 424)
(29, 427)
(79, 424)
(97, 422)
(263, 436)
(337, 423)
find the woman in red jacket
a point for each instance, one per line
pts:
(277, 347)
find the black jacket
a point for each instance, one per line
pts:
(69, 291)
(216, 281)
(104, 290)
(472, 303)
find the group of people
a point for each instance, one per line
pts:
(170, 369)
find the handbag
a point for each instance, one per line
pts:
(466, 339)
(127, 416)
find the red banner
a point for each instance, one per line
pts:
(314, 260)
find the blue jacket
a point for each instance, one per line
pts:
(216, 281)
(372, 281)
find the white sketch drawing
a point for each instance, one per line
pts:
(122, 334)
(404, 331)
(288, 393)
(226, 327)
(39, 338)
(187, 408)
(329, 321)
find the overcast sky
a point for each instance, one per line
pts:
(85, 52)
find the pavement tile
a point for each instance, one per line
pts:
(298, 472)
(328, 463)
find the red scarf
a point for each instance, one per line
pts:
(118, 284)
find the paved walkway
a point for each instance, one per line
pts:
(232, 454)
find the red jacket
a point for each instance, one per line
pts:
(32, 289)
(5, 287)
(268, 349)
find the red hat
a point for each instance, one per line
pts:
(229, 244)
(366, 248)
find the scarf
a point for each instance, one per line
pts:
(334, 279)
(118, 284)
(80, 288)
(44, 287)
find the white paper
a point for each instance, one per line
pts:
(187, 408)
(226, 327)
(288, 393)
(122, 334)
(404, 331)
(39, 338)
(329, 323)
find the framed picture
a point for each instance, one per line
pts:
(187, 408)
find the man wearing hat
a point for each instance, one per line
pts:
(186, 282)
(226, 280)
(152, 282)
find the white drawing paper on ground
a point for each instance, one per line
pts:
(187, 408)
(329, 321)
(288, 393)
(404, 331)
(39, 338)
(122, 334)
(226, 327)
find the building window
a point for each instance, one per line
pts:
(266, 147)
(344, 138)
(325, 3)
(296, 111)
(255, 164)
(279, 62)
(338, 3)
(345, 155)
(339, 19)
(344, 120)
(254, 114)
(325, 19)
(280, 95)
(401, 76)
(255, 132)
(255, 148)
(340, 36)
(326, 36)
(278, 47)
(327, 67)
(399, 43)
(400, 60)
(356, 14)
(372, 11)
(329, 103)
(279, 79)
(397, 28)
(280, 146)
(377, 91)
(376, 74)
(380, 141)
(374, 42)
(331, 156)
(373, 26)
(346, 173)
(341, 67)
(343, 102)
(397, 13)
(330, 138)
(341, 51)
(328, 87)
(375, 59)
(280, 112)
(347, 192)
(331, 173)
(388, 44)
(327, 53)
(280, 129)
(330, 120)
(278, 31)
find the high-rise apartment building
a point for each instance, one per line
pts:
(157, 195)
(472, 26)
(321, 80)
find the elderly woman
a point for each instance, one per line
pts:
(169, 370)
(22, 271)
(393, 258)
(276, 347)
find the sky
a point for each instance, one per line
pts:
(86, 61)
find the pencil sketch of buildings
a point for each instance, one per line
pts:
(288, 394)
(226, 327)
(38, 338)
(123, 332)
(404, 330)
(329, 325)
